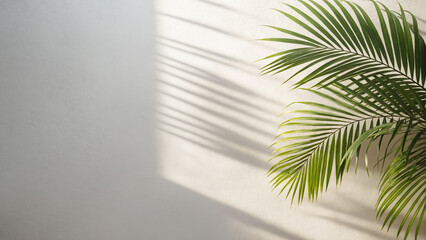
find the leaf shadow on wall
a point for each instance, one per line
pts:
(188, 87)
(199, 108)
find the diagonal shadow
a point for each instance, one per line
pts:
(209, 217)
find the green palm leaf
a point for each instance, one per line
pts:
(372, 79)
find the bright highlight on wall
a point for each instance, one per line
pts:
(216, 117)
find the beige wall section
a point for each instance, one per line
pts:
(79, 89)
(216, 119)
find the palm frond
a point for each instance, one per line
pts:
(373, 77)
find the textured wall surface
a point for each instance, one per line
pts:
(140, 119)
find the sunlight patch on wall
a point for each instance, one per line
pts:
(216, 118)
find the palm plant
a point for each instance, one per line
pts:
(373, 76)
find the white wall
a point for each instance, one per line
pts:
(77, 100)
(99, 141)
